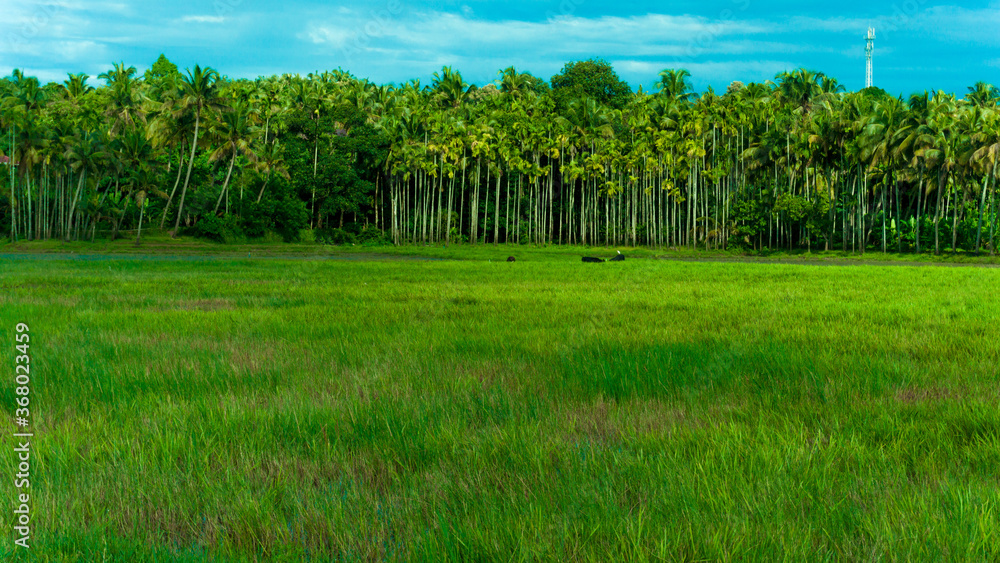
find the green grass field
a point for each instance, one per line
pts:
(158, 244)
(456, 410)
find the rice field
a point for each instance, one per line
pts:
(545, 410)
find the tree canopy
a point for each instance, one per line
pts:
(593, 78)
(797, 162)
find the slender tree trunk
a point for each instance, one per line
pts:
(461, 204)
(394, 197)
(13, 191)
(942, 178)
(451, 199)
(993, 212)
(920, 195)
(177, 182)
(225, 185)
(506, 229)
(496, 212)
(142, 211)
(264, 187)
(187, 179)
(312, 211)
(27, 216)
(899, 218)
(76, 199)
(982, 210)
(959, 205)
(551, 230)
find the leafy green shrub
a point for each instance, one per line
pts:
(749, 219)
(307, 236)
(5, 208)
(256, 220)
(286, 217)
(271, 237)
(290, 217)
(812, 214)
(220, 229)
(339, 237)
(371, 236)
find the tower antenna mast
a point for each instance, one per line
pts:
(869, 51)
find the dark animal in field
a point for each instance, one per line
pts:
(512, 259)
(591, 260)
(619, 258)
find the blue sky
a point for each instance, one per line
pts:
(922, 44)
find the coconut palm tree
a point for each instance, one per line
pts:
(85, 153)
(271, 160)
(913, 140)
(942, 156)
(983, 95)
(878, 139)
(123, 109)
(449, 88)
(985, 154)
(235, 134)
(199, 93)
(676, 84)
(135, 152)
(802, 87)
(76, 86)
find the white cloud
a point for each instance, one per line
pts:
(426, 37)
(449, 30)
(393, 41)
(331, 36)
(46, 75)
(203, 19)
(833, 25)
(960, 24)
(78, 35)
(712, 71)
(948, 22)
(639, 46)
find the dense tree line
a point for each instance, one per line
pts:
(581, 159)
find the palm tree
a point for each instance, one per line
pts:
(666, 169)
(198, 94)
(942, 111)
(234, 131)
(517, 84)
(983, 95)
(143, 203)
(84, 153)
(122, 109)
(76, 86)
(172, 135)
(913, 140)
(450, 90)
(985, 147)
(271, 160)
(802, 87)
(879, 138)
(135, 153)
(676, 85)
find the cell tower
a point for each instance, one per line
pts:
(869, 50)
